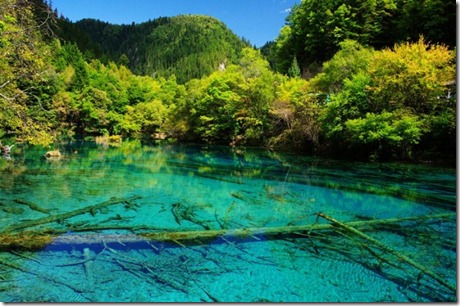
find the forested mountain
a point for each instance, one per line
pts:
(187, 46)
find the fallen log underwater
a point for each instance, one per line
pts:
(36, 240)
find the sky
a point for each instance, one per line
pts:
(258, 21)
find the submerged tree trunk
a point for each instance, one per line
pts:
(35, 240)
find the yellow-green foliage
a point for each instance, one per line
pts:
(23, 62)
(411, 75)
(394, 127)
(400, 95)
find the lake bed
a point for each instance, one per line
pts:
(95, 207)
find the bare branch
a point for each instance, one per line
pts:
(4, 84)
(5, 97)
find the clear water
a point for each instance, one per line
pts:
(101, 255)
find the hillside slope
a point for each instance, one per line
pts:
(187, 46)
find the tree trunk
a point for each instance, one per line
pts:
(35, 240)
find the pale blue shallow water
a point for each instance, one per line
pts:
(191, 188)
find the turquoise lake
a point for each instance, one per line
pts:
(76, 228)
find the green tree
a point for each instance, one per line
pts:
(66, 112)
(284, 49)
(294, 70)
(70, 55)
(294, 116)
(349, 103)
(124, 60)
(351, 59)
(143, 120)
(434, 19)
(213, 109)
(231, 106)
(257, 92)
(387, 132)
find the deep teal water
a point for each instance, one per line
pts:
(101, 256)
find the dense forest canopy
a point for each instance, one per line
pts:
(187, 46)
(315, 28)
(353, 79)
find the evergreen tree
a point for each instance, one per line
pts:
(294, 70)
(124, 61)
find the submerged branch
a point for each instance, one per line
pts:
(386, 248)
(43, 276)
(33, 206)
(68, 215)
